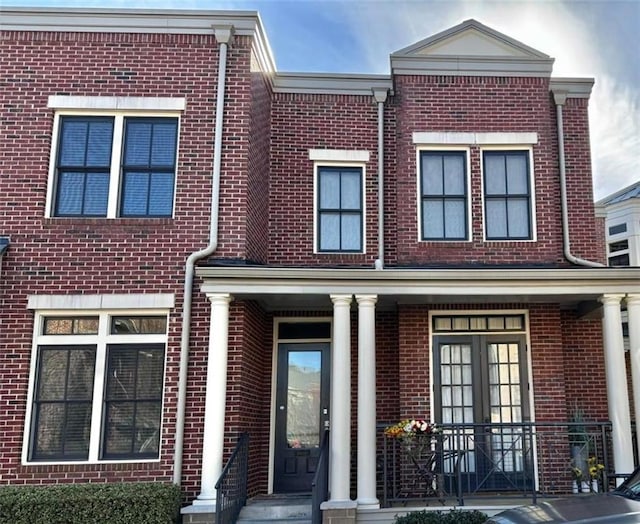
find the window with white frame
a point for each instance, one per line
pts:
(507, 195)
(98, 383)
(443, 191)
(114, 165)
(340, 209)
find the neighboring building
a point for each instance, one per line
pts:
(621, 212)
(202, 246)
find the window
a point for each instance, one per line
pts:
(108, 166)
(443, 188)
(619, 253)
(98, 387)
(507, 195)
(340, 209)
(617, 229)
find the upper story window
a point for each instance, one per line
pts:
(97, 386)
(507, 195)
(113, 156)
(92, 167)
(617, 229)
(444, 200)
(340, 209)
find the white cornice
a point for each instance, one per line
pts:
(329, 83)
(175, 21)
(572, 87)
(471, 66)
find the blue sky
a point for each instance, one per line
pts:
(595, 38)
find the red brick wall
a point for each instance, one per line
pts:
(302, 122)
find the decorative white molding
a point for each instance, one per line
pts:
(338, 155)
(116, 103)
(572, 87)
(330, 83)
(471, 138)
(96, 302)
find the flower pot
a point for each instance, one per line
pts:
(584, 487)
(574, 487)
(594, 485)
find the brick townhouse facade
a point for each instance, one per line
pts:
(196, 245)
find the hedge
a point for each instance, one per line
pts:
(440, 517)
(111, 503)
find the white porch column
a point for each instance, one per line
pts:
(617, 393)
(633, 312)
(367, 402)
(340, 417)
(215, 398)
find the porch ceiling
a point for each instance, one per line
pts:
(294, 288)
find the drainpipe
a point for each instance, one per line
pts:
(223, 37)
(380, 96)
(560, 97)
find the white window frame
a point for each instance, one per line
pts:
(332, 162)
(444, 149)
(101, 340)
(119, 108)
(511, 147)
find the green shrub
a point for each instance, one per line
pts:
(440, 517)
(113, 503)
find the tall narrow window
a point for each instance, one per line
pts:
(507, 195)
(83, 166)
(444, 195)
(340, 209)
(148, 166)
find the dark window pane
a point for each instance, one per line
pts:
(618, 246)
(619, 260)
(149, 166)
(302, 330)
(617, 229)
(133, 401)
(70, 193)
(63, 403)
(70, 326)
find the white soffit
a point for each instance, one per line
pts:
(471, 49)
(453, 138)
(573, 87)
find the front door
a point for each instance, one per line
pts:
(302, 413)
(481, 387)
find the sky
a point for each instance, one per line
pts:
(587, 38)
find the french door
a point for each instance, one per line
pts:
(302, 412)
(481, 387)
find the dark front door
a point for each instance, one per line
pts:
(481, 387)
(302, 409)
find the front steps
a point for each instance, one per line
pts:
(268, 509)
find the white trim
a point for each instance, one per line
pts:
(274, 378)
(532, 190)
(115, 174)
(132, 301)
(100, 340)
(117, 103)
(445, 148)
(474, 138)
(359, 164)
(338, 155)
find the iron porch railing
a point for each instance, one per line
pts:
(471, 461)
(231, 488)
(320, 484)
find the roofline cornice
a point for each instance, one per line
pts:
(471, 66)
(330, 83)
(573, 87)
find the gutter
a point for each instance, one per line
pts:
(560, 97)
(380, 96)
(223, 36)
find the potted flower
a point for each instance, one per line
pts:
(414, 434)
(595, 471)
(579, 445)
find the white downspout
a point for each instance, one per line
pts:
(560, 97)
(223, 37)
(380, 96)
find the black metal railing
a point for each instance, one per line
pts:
(320, 484)
(467, 461)
(231, 488)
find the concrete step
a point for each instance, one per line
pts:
(267, 510)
